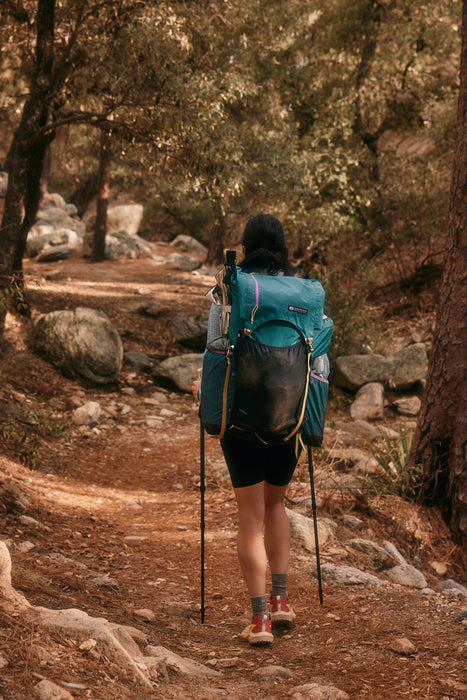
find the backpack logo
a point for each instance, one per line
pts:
(298, 310)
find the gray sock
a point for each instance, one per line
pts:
(259, 605)
(279, 585)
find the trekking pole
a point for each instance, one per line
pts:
(202, 490)
(315, 522)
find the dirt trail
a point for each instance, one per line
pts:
(129, 481)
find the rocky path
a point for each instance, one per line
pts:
(109, 526)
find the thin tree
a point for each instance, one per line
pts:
(27, 152)
(440, 443)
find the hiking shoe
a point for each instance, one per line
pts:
(281, 611)
(259, 632)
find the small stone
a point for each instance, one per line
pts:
(46, 690)
(88, 414)
(353, 522)
(88, 645)
(439, 566)
(317, 691)
(104, 581)
(25, 547)
(227, 663)
(3, 661)
(403, 646)
(167, 413)
(145, 614)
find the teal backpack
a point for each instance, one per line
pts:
(257, 377)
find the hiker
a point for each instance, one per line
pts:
(260, 473)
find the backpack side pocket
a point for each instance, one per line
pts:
(216, 375)
(315, 412)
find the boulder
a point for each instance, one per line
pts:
(51, 238)
(303, 531)
(117, 244)
(180, 370)
(186, 263)
(56, 252)
(191, 332)
(353, 371)
(188, 244)
(408, 367)
(369, 402)
(123, 217)
(399, 371)
(82, 343)
(408, 406)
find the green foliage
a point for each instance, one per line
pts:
(12, 295)
(338, 118)
(392, 454)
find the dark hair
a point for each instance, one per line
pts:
(265, 247)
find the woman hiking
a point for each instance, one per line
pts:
(260, 473)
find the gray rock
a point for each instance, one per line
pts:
(189, 245)
(303, 532)
(348, 576)
(37, 244)
(353, 371)
(82, 343)
(379, 557)
(369, 402)
(137, 359)
(402, 646)
(88, 414)
(186, 263)
(46, 690)
(151, 308)
(409, 366)
(409, 406)
(317, 691)
(352, 521)
(55, 253)
(117, 244)
(394, 552)
(190, 331)
(400, 371)
(179, 664)
(180, 370)
(453, 589)
(407, 575)
(122, 217)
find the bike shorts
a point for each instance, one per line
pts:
(251, 463)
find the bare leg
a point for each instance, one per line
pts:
(250, 543)
(277, 529)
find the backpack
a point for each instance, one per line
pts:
(258, 380)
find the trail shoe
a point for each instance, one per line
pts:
(282, 613)
(259, 632)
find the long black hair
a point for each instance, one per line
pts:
(265, 247)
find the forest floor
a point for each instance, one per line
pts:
(92, 490)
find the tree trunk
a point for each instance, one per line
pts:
(26, 155)
(100, 229)
(216, 242)
(440, 444)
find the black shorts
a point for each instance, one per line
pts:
(253, 462)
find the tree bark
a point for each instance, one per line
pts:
(217, 240)
(440, 442)
(103, 179)
(27, 152)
